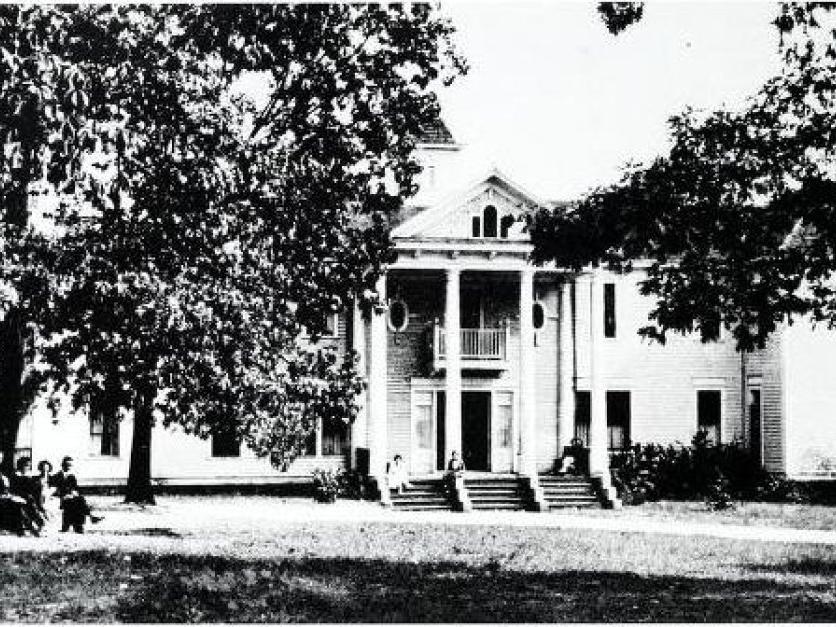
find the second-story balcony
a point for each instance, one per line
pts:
(479, 349)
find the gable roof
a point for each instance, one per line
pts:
(436, 133)
(420, 220)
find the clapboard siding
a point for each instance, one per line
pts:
(662, 379)
(765, 366)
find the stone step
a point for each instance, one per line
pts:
(554, 505)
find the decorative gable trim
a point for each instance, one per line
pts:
(494, 180)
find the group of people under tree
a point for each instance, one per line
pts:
(25, 498)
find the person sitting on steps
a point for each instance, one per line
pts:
(397, 475)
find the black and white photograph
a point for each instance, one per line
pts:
(460, 312)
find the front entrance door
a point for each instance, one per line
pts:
(476, 429)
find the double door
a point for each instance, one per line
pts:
(487, 428)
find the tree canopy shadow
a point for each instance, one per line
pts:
(181, 588)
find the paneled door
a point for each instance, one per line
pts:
(423, 433)
(503, 432)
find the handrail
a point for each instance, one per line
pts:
(482, 343)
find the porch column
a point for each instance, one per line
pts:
(566, 359)
(376, 412)
(359, 434)
(452, 358)
(598, 458)
(528, 416)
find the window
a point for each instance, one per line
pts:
(477, 226)
(755, 426)
(104, 432)
(334, 437)
(489, 224)
(538, 316)
(505, 425)
(618, 420)
(226, 443)
(708, 414)
(505, 224)
(582, 416)
(332, 324)
(609, 309)
(398, 315)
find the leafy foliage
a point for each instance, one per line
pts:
(202, 227)
(326, 485)
(649, 472)
(617, 16)
(735, 225)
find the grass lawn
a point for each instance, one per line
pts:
(744, 513)
(241, 559)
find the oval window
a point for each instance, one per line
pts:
(398, 315)
(538, 315)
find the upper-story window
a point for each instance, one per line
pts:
(609, 309)
(490, 224)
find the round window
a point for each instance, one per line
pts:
(398, 315)
(538, 315)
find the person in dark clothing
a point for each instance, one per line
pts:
(28, 488)
(74, 507)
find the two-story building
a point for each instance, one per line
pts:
(482, 353)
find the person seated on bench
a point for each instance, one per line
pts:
(397, 475)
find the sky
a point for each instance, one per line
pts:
(560, 105)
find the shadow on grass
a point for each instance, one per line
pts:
(143, 587)
(805, 566)
(158, 532)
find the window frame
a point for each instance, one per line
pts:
(494, 222)
(628, 428)
(719, 392)
(334, 316)
(104, 435)
(402, 327)
(610, 311)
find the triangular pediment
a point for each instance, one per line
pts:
(462, 214)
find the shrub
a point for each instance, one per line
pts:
(353, 485)
(326, 485)
(702, 470)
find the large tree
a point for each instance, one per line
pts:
(736, 224)
(207, 226)
(39, 102)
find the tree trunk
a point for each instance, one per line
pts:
(11, 387)
(139, 488)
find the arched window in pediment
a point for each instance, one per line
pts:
(489, 222)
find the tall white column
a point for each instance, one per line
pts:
(377, 414)
(598, 458)
(566, 373)
(359, 434)
(452, 347)
(528, 415)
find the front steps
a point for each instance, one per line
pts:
(494, 493)
(561, 491)
(421, 495)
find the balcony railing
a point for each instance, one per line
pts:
(482, 349)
